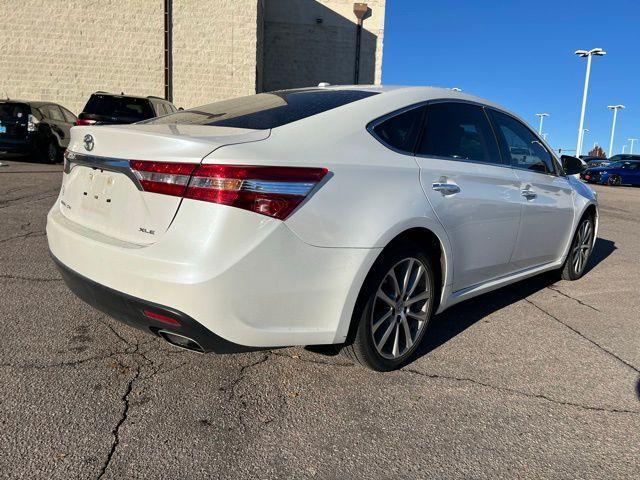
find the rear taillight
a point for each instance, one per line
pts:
(163, 177)
(83, 121)
(32, 123)
(271, 191)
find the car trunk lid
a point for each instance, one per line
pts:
(101, 191)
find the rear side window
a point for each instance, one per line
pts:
(133, 109)
(521, 145)
(265, 110)
(53, 112)
(459, 131)
(13, 111)
(68, 116)
(400, 131)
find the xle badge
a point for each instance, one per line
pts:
(144, 230)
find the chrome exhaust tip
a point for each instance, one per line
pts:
(181, 341)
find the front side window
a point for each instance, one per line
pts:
(521, 146)
(459, 131)
(401, 131)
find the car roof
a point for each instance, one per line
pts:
(31, 103)
(428, 93)
(122, 95)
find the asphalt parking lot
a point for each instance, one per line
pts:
(538, 380)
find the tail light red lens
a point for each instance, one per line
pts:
(272, 191)
(83, 121)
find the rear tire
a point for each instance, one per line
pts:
(580, 251)
(393, 309)
(50, 153)
(614, 180)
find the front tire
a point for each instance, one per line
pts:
(581, 248)
(394, 309)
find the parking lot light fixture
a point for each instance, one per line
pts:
(632, 141)
(541, 115)
(588, 54)
(615, 109)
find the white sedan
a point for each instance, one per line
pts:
(329, 215)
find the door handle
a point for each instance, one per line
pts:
(446, 188)
(529, 194)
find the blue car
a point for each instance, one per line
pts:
(619, 173)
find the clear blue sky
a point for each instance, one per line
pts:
(519, 53)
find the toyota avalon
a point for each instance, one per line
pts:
(329, 215)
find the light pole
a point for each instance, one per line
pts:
(586, 53)
(541, 115)
(624, 147)
(632, 140)
(615, 109)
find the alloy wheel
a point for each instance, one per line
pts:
(401, 309)
(582, 247)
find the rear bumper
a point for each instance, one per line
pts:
(130, 310)
(17, 145)
(245, 278)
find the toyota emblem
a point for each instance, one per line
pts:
(88, 142)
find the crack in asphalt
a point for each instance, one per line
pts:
(34, 234)
(29, 279)
(593, 342)
(514, 391)
(28, 198)
(73, 363)
(123, 418)
(573, 298)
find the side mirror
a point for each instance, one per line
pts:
(573, 165)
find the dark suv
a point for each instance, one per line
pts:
(111, 109)
(39, 129)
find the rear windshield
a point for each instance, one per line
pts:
(13, 111)
(120, 107)
(265, 110)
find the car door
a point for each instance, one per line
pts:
(57, 123)
(546, 194)
(474, 194)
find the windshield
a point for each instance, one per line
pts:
(120, 107)
(265, 110)
(13, 111)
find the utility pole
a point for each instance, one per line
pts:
(541, 115)
(588, 54)
(615, 109)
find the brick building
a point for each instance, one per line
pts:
(63, 50)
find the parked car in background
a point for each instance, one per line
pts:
(38, 129)
(626, 172)
(218, 229)
(603, 162)
(111, 109)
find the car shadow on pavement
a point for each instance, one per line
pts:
(458, 318)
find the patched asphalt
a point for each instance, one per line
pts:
(537, 380)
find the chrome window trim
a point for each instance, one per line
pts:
(374, 123)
